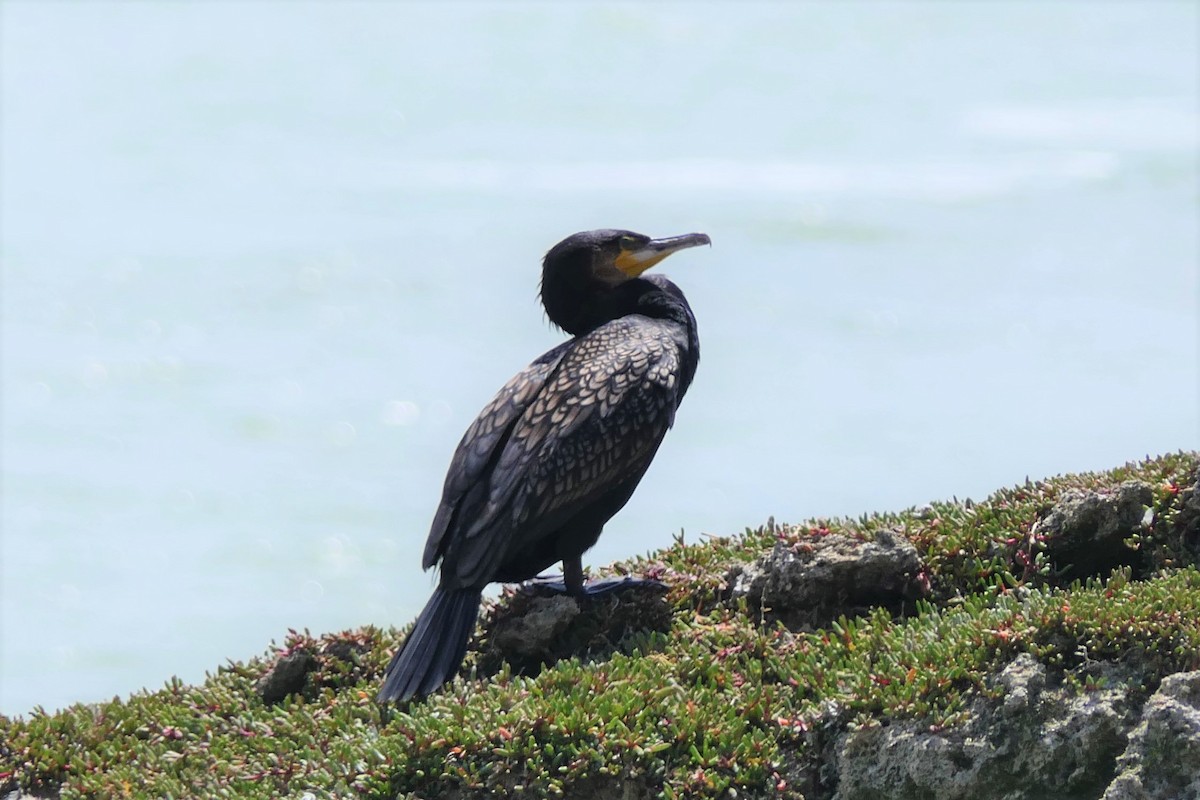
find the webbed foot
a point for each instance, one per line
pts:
(556, 584)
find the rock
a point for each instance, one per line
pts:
(17, 794)
(286, 677)
(1022, 681)
(815, 580)
(1085, 532)
(1189, 517)
(531, 635)
(344, 649)
(1035, 742)
(1162, 761)
(532, 630)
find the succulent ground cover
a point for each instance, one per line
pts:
(739, 680)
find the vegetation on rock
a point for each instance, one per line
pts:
(737, 682)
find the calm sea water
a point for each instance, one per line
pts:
(263, 263)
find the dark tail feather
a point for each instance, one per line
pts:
(432, 652)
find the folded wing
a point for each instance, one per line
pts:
(559, 437)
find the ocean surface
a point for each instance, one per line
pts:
(264, 262)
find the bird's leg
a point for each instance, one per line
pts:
(571, 583)
(573, 576)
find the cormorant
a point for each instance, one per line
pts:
(562, 446)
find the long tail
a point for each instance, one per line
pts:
(432, 652)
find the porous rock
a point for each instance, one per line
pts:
(286, 677)
(1162, 761)
(1034, 742)
(531, 635)
(1085, 532)
(531, 630)
(812, 581)
(1189, 516)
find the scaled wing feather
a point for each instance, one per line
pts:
(466, 479)
(597, 420)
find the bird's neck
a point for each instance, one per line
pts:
(658, 298)
(579, 309)
(592, 308)
(667, 302)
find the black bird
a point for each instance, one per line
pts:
(562, 446)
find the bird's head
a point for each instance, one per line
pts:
(582, 268)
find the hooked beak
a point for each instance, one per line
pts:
(637, 260)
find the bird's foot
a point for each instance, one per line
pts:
(556, 584)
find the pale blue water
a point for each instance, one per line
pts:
(262, 263)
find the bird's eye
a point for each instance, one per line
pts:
(629, 242)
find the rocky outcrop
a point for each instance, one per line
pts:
(306, 665)
(1163, 756)
(286, 677)
(1036, 740)
(534, 629)
(811, 581)
(1085, 533)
